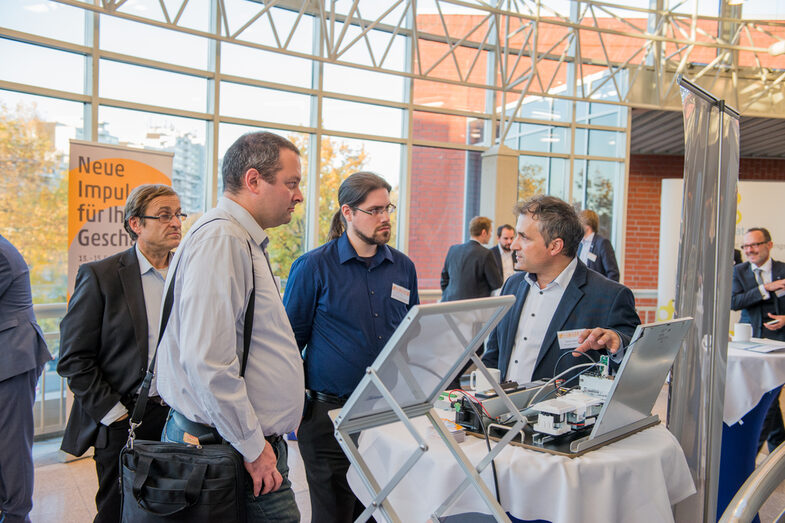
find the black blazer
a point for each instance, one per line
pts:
(746, 297)
(589, 301)
(497, 255)
(103, 344)
(470, 271)
(605, 261)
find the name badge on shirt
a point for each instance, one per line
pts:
(591, 256)
(568, 339)
(400, 293)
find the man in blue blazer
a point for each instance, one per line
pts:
(556, 292)
(759, 292)
(23, 354)
(596, 251)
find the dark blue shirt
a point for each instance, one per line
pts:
(343, 310)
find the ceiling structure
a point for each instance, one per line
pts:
(662, 132)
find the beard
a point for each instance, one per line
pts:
(506, 249)
(378, 238)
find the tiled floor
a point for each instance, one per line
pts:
(64, 492)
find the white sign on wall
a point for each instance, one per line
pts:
(758, 204)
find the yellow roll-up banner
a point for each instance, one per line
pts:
(100, 178)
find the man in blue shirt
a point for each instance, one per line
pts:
(344, 300)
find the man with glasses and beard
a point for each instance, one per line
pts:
(344, 300)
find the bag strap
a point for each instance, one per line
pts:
(144, 391)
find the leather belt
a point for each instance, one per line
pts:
(207, 434)
(323, 397)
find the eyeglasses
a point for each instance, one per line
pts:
(376, 211)
(747, 246)
(166, 217)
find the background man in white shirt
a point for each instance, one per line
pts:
(503, 253)
(223, 259)
(108, 335)
(556, 292)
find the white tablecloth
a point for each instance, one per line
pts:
(635, 479)
(750, 375)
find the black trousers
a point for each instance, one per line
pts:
(773, 429)
(16, 443)
(332, 501)
(109, 443)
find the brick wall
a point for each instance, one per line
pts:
(643, 211)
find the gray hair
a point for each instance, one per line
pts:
(138, 200)
(555, 219)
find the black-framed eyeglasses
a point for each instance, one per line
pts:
(376, 211)
(166, 217)
(751, 245)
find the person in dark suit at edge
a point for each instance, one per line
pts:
(556, 292)
(23, 354)
(470, 270)
(594, 250)
(759, 292)
(108, 337)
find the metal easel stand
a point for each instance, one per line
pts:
(346, 426)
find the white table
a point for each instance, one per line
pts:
(635, 479)
(750, 375)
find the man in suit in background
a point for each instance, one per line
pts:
(470, 270)
(23, 354)
(503, 253)
(759, 292)
(109, 334)
(594, 250)
(556, 293)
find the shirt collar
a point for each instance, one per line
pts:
(346, 252)
(562, 280)
(766, 267)
(244, 218)
(144, 264)
(589, 238)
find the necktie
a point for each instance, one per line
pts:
(758, 275)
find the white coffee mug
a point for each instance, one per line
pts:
(479, 383)
(742, 332)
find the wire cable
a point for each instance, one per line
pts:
(487, 439)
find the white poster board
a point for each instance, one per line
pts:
(757, 206)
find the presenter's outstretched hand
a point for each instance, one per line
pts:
(263, 472)
(598, 339)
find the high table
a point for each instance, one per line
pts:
(752, 383)
(635, 479)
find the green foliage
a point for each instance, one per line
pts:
(33, 199)
(338, 161)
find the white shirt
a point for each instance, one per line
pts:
(200, 353)
(153, 290)
(586, 248)
(766, 274)
(538, 310)
(507, 266)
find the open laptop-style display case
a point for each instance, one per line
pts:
(426, 352)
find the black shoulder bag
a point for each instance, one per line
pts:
(166, 482)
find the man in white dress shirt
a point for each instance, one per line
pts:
(221, 265)
(503, 253)
(556, 292)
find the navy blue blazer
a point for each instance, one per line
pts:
(22, 345)
(590, 300)
(746, 297)
(605, 262)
